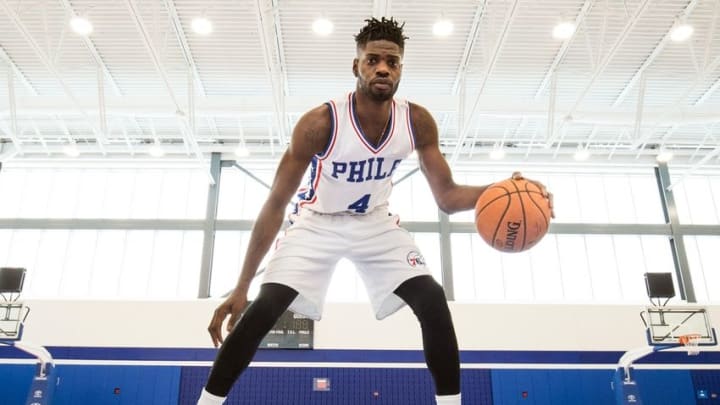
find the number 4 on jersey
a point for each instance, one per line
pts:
(361, 205)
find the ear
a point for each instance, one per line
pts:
(355, 67)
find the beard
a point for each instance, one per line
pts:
(378, 95)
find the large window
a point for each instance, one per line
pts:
(103, 193)
(697, 199)
(704, 258)
(133, 232)
(92, 259)
(588, 197)
(241, 196)
(561, 268)
(106, 264)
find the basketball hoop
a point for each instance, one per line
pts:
(691, 342)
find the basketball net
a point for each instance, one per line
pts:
(691, 343)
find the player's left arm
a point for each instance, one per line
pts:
(450, 197)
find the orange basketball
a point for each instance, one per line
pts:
(512, 215)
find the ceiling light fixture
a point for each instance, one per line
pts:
(156, 150)
(242, 151)
(581, 154)
(681, 31)
(664, 156)
(81, 25)
(71, 150)
(497, 154)
(323, 26)
(564, 30)
(443, 27)
(202, 26)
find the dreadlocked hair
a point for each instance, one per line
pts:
(387, 29)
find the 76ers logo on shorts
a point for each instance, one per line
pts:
(415, 259)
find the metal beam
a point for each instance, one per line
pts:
(182, 40)
(653, 55)
(155, 58)
(12, 134)
(101, 223)
(18, 73)
(677, 243)
(209, 227)
(552, 106)
(639, 105)
(257, 106)
(469, 46)
(271, 43)
(93, 51)
(49, 66)
(606, 60)
(711, 35)
(687, 173)
(709, 92)
(560, 55)
(488, 71)
(187, 54)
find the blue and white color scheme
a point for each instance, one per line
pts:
(353, 175)
(344, 214)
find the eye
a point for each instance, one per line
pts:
(372, 60)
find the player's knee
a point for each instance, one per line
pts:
(429, 302)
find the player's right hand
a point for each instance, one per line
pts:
(233, 306)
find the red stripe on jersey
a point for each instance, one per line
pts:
(315, 186)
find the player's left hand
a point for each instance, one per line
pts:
(545, 192)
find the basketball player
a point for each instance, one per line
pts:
(353, 145)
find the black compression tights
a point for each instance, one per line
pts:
(424, 296)
(241, 344)
(427, 300)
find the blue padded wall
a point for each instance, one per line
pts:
(376, 386)
(665, 387)
(706, 386)
(372, 386)
(170, 385)
(117, 385)
(15, 380)
(552, 387)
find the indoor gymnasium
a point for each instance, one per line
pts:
(352, 202)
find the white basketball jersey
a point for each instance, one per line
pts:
(353, 175)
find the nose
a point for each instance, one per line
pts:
(382, 70)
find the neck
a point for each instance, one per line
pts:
(366, 104)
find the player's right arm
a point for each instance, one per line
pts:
(310, 136)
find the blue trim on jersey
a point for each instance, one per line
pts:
(333, 124)
(309, 192)
(386, 133)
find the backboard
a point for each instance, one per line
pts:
(12, 315)
(666, 325)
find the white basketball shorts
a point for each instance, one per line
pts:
(384, 254)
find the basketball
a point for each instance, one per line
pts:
(512, 215)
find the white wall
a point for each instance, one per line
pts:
(344, 325)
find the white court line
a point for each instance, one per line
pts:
(469, 366)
